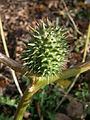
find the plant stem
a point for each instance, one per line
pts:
(26, 99)
(86, 44)
(41, 82)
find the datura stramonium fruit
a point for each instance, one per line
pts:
(45, 53)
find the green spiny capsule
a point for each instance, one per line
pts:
(46, 52)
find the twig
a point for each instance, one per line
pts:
(66, 9)
(7, 54)
(12, 64)
(75, 79)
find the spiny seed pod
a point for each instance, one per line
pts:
(46, 52)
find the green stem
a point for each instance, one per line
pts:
(31, 90)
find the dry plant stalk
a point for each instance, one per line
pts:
(70, 17)
(7, 54)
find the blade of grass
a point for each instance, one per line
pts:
(7, 54)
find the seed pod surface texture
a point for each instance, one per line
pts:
(45, 54)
